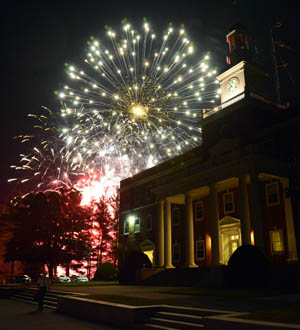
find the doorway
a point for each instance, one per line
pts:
(230, 237)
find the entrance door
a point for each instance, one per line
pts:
(230, 242)
(230, 237)
(233, 243)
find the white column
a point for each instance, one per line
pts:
(189, 232)
(160, 234)
(214, 224)
(257, 216)
(168, 235)
(245, 214)
(289, 219)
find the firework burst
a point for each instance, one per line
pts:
(139, 102)
(142, 96)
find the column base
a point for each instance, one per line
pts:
(191, 265)
(169, 266)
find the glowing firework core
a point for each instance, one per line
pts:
(138, 111)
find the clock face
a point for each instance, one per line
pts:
(232, 85)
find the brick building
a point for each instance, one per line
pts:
(196, 209)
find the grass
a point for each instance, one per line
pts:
(287, 314)
(226, 293)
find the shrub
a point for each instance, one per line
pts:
(134, 261)
(248, 267)
(106, 272)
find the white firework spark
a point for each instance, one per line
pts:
(143, 98)
(138, 103)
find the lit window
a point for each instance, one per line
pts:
(149, 222)
(276, 242)
(175, 216)
(198, 211)
(228, 202)
(176, 252)
(137, 225)
(272, 192)
(200, 250)
(126, 227)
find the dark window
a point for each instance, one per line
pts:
(137, 225)
(228, 202)
(176, 216)
(200, 249)
(176, 252)
(199, 210)
(272, 193)
(126, 227)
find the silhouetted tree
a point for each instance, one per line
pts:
(48, 227)
(105, 220)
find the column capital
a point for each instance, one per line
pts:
(244, 177)
(285, 182)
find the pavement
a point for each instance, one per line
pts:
(17, 315)
(161, 295)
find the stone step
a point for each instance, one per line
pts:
(179, 317)
(149, 326)
(27, 295)
(192, 311)
(33, 302)
(175, 324)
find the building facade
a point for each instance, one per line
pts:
(196, 209)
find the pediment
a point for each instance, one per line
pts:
(228, 220)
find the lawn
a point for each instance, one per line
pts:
(226, 292)
(286, 314)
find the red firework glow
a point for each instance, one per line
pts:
(99, 194)
(95, 187)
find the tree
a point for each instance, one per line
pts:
(48, 227)
(105, 220)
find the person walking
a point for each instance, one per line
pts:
(43, 286)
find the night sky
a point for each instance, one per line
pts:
(39, 37)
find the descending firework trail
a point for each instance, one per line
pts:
(52, 162)
(47, 162)
(138, 103)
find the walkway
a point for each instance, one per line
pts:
(161, 293)
(16, 315)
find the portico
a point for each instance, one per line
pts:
(236, 227)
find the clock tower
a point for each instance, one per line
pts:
(245, 105)
(244, 77)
